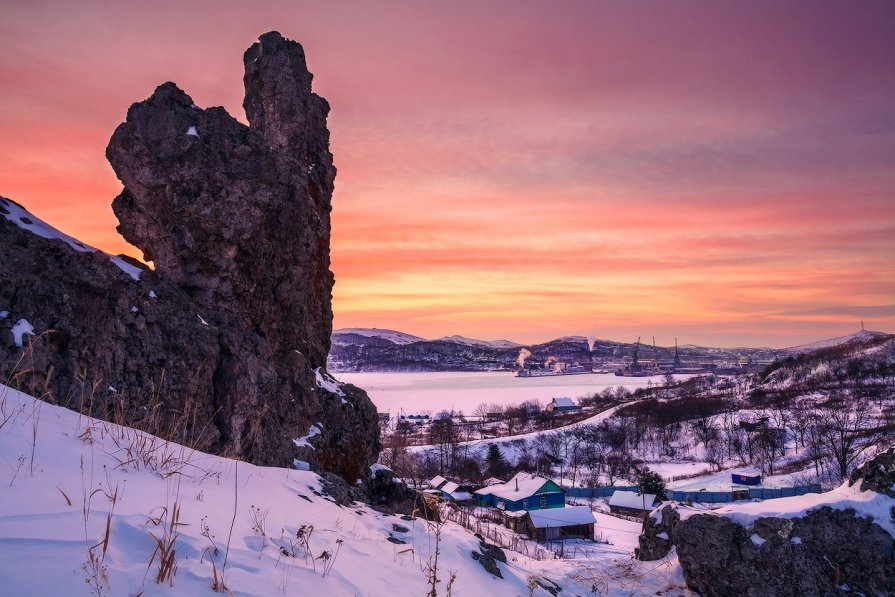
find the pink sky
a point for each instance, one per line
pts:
(722, 173)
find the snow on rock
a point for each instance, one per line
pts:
(868, 504)
(131, 270)
(756, 540)
(302, 442)
(152, 294)
(375, 468)
(202, 321)
(25, 220)
(192, 132)
(4, 314)
(21, 329)
(300, 465)
(328, 383)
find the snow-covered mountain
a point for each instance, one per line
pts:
(473, 342)
(392, 336)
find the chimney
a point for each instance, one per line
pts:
(517, 484)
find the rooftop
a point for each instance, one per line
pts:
(557, 517)
(630, 499)
(521, 486)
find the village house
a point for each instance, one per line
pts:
(523, 492)
(630, 503)
(453, 492)
(563, 405)
(571, 522)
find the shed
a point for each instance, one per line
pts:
(563, 404)
(631, 503)
(454, 493)
(572, 522)
(522, 492)
(437, 482)
(745, 479)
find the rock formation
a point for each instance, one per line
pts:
(823, 551)
(225, 343)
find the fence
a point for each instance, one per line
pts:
(706, 497)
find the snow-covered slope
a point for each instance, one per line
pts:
(25, 220)
(486, 343)
(390, 335)
(84, 500)
(862, 335)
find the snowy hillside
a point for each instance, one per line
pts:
(862, 335)
(83, 500)
(390, 335)
(473, 342)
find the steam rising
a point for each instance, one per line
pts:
(590, 343)
(523, 354)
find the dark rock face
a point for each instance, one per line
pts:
(825, 552)
(654, 542)
(236, 220)
(815, 555)
(488, 556)
(877, 475)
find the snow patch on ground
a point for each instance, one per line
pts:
(20, 329)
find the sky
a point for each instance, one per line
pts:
(722, 173)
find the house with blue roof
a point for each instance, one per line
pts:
(523, 492)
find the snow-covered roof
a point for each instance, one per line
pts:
(560, 517)
(564, 401)
(630, 499)
(521, 486)
(437, 481)
(450, 487)
(493, 481)
(460, 496)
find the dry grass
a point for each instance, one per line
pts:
(168, 522)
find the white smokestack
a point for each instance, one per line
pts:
(523, 354)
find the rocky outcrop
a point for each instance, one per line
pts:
(823, 551)
(225, 343)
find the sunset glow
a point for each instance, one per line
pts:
(719, 173)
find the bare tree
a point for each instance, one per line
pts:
(842, 425)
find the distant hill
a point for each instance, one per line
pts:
(364, 349)
(862, 335)
(485, 343)
(389, 335)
